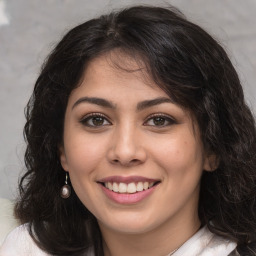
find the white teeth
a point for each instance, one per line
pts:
(145, 185)
(122, 188)
(131, 188)
(110, 186)
(115, 187)
(139, 186)
(128, 188)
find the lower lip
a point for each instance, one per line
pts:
(127, 198)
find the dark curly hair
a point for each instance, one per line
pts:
(188, 64)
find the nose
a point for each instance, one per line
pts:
(126, 148)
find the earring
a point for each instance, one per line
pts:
(66, 189)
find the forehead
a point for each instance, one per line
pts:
(121, 64)
(117, 71)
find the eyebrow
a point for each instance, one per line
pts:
(150, 103)
(96, 101)
(108, 104)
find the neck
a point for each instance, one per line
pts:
(161, 241)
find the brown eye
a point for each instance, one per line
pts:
(95, 120)
(159, 121)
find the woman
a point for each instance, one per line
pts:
(139, 142)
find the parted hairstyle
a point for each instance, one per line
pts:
(195, 71)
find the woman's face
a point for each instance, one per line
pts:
(134, 157)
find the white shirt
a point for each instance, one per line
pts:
(203, 243)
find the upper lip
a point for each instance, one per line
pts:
(129, 179)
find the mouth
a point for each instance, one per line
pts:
(130, 188)
(128, 185)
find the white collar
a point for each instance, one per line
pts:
(205, 243)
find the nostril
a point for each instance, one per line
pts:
(126, 163)
(134, 161)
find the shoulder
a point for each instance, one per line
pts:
(19, 243)
(205, 243)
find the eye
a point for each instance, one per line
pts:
(159, 120)
(95, 120)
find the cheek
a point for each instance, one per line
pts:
(84, 157)
(179, 155)
(83, 154)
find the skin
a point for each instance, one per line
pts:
(130, 142)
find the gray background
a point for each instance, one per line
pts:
(30, 28)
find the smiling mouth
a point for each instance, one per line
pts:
(129, 188)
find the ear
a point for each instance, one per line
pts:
(211, 163)
(63, 158)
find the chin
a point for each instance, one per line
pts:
(131, 224)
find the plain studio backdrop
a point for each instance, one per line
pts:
(30, 28)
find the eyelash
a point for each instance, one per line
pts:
(85, 120)
(164, 118)
(89, 118)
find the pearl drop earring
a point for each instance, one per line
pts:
(66, 189)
